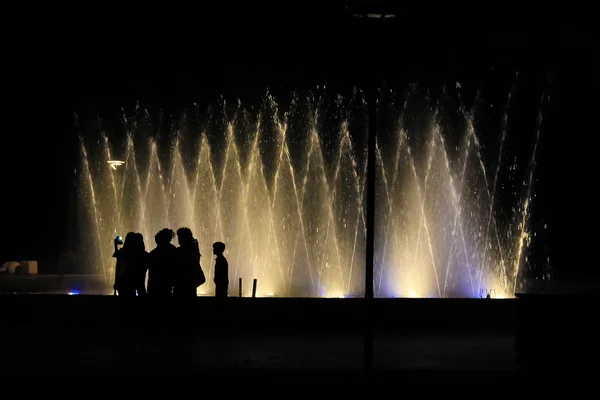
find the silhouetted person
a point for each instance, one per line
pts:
(141, 265)
(187, 262)
(161, 265)
(126, 282)
(160, 287)
(221, 270)
(185, 277)
(125, 273)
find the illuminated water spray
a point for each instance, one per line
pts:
(285, 192)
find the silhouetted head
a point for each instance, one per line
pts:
(130, 240)
(140, 241)
(164, 237)
(218, 248)
(185, 236)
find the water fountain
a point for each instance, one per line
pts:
(285, 191)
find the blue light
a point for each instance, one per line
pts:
(73, 292)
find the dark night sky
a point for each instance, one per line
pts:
(96, 58)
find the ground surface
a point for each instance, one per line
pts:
(75, 340)
(281, 350)
(266, 359)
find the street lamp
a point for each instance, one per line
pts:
(375, 12)
(371, 9)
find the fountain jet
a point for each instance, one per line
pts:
(286, 193)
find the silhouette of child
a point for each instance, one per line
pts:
(221, 270)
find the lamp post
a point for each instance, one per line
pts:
(115, 164)
(373, 13)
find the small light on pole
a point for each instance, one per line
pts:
(115, 163)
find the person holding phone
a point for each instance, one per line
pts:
(124, 272)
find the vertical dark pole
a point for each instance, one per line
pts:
(240, 288)
(371, 163)
(254, 288)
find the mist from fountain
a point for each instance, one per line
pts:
(286, 193)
